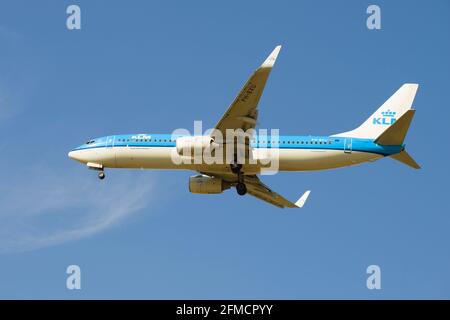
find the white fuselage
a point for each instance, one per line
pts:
(285, 153)
(163, 158)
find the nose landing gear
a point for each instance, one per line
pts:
(97, 167)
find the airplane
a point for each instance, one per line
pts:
(381, 135)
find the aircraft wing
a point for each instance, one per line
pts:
(243, 112)
(259, 190)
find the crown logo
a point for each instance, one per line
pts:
(388, 113)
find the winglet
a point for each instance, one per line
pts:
(270, 61)
(301, 202)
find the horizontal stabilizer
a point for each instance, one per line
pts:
(405, 158)
(396, 133)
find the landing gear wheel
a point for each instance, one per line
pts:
(241, 188)
(101, 175)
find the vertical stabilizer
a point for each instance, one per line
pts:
(386, 115)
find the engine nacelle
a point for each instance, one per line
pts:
(187, 145)
(206, 184)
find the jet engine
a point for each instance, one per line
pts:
(187, 145)
(206, 184)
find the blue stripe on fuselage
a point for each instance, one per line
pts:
(285, 142)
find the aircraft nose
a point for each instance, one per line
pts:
(73, 155)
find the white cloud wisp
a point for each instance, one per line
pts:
(42, 208)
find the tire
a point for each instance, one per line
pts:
(101, 175)
(241, 189)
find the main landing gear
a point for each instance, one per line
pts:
(241, 188)
(101, 175)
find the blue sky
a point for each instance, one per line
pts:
(154, 66)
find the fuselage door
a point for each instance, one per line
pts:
(110, 153)
(348, 145)
(110, 141)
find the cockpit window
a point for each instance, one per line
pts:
(90, 141)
